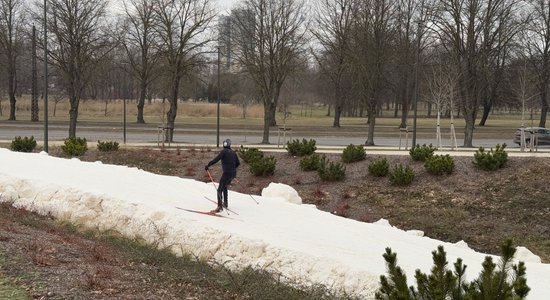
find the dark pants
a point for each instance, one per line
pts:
(222, 187)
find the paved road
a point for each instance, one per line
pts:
(192, 134)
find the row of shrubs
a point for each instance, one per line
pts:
(261, 165)
(72, 146)
(398, 175)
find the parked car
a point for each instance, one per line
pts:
(542, 135)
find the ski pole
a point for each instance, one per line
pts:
(212, 179)
(239, 182)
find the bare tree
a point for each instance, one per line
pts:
(442, 89)
(494, 62)
(269, 39)
(333, 30)
(181, 26)
(11, 31)
(408, 16)
(470, 31)
(538, 45)
(138, 42)
(373, 35)
(78, 42)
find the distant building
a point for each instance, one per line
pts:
(224, 41)
(232, 31)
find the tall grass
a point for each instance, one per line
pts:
(154, 111)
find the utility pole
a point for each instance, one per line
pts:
(218, 106)
(45, 80)
(417, 66)
(34, 96)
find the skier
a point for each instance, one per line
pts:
(230, 162)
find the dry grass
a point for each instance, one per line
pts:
(156, 111)
(204, 113)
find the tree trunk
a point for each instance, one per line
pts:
(337, 114)
(543, 106)
(469, 118)
(141, 101)
(371, 113)
(73, 115)
(486, 110)
(171, 114)
(11, 91)
(404, 106)
(267, 122)
(543, 113)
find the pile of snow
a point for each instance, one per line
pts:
(524, 254)
(283, 191)
(299, 241)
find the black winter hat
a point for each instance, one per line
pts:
(227, 143)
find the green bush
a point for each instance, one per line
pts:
(263, 166)
(379, 168)
(25, 144)
(330, 171)
(442, 283)
(492, 160)
(354, 153)
(250, 154)
(75, 146)
(297, 148)
(310, 162)
(107, 146)
(401, 175)
(440, 164)
(421, 153)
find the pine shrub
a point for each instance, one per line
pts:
(491, 160)
(440, 164)
(421, 153)
(331, 171)
(263, 166)
(250, 154)
(379, 168)
(24, 144)
(301, 148)
(310, 162)
(75, 146)
(354, 153)
(443, 283)
(401, 175)
(107, 146)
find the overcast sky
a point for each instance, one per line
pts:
(225, 3)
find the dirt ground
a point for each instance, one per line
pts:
(482, 208)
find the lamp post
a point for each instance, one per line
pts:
(124, 130)
(415, 100)
(218, 104)
(45, 81)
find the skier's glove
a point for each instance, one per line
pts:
(206, 168)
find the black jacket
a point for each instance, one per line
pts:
(230, 160)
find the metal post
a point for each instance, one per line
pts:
(124, 131)
(218, 108)
(45, 81)
(415, 100)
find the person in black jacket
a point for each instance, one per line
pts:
(230, 162)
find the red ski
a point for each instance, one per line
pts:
(203, 212)
(215, 202)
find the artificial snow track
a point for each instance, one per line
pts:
(300, 242)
